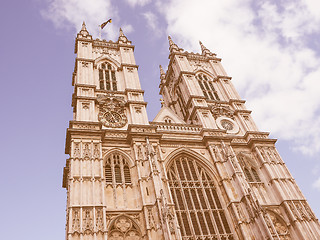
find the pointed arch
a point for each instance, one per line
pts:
(277, 225)
(204, 71)
(191, 153)
(195, 193)
(120, 151)
(206, 84)
(106, 58)
(249, 167)
(117, 168)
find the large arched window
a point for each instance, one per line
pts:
(107, 77)
(207, 88)
(199, 210)
(117, 170)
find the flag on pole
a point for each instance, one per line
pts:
(105, 23)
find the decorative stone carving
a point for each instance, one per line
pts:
(222, 110)
(96, 151)
(76, 220)
(124, 228)
(87, 221)
(152, 224)
(302, 212)
(99, 219)
(111, 111)
(308, 210)
(76, 151)
(123, 224)
(167, 213)
(239, 211)
(86, 150)
(276, 225)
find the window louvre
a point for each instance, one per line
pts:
(108, 173)
(117, 170)
(127, 177)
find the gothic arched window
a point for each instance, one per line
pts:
(199, 210)
(117, 170)
(207, 87)
(251, 175)
(107, 77)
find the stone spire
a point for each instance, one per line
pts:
(162, 75)
(172, 45)
(161, 70)
(122, 38)
(84, 28)
(205, 51)
(84, 32)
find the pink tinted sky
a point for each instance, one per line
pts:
(36, 66)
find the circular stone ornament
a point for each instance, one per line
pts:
(113, 119)
(227, 124)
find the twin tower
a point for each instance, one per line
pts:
(200, 170)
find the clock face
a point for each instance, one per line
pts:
(112, 112)
(113, 119)
(227, 124)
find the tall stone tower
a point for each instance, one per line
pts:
(200, 170)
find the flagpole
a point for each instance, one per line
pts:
(100, 32)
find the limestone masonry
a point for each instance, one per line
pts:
(200, 170)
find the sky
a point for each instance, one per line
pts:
(271, 49)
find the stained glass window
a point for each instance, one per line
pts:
(199, 210)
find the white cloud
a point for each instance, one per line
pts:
(152, 22)
(127, 29)
(71, 14)
(134, 3)
(264, 45)
(316, 184)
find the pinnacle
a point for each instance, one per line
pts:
(204, 50)
(161, 70)
(170, 41)
(121, 34)
(172, 45)
(84, 28)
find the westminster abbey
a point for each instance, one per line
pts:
(200, 170)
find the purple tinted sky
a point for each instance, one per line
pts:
(36, 66)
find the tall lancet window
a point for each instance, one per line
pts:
(199, 210)
(207, 87)
(107, 77)
(117, 170)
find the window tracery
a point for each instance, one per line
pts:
(124, 228)
(107, 77)
(198, 207)
(251, 175)
(207, 87)
(117, 170)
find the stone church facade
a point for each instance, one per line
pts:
(200, 170)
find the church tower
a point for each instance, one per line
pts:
(200, 170)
